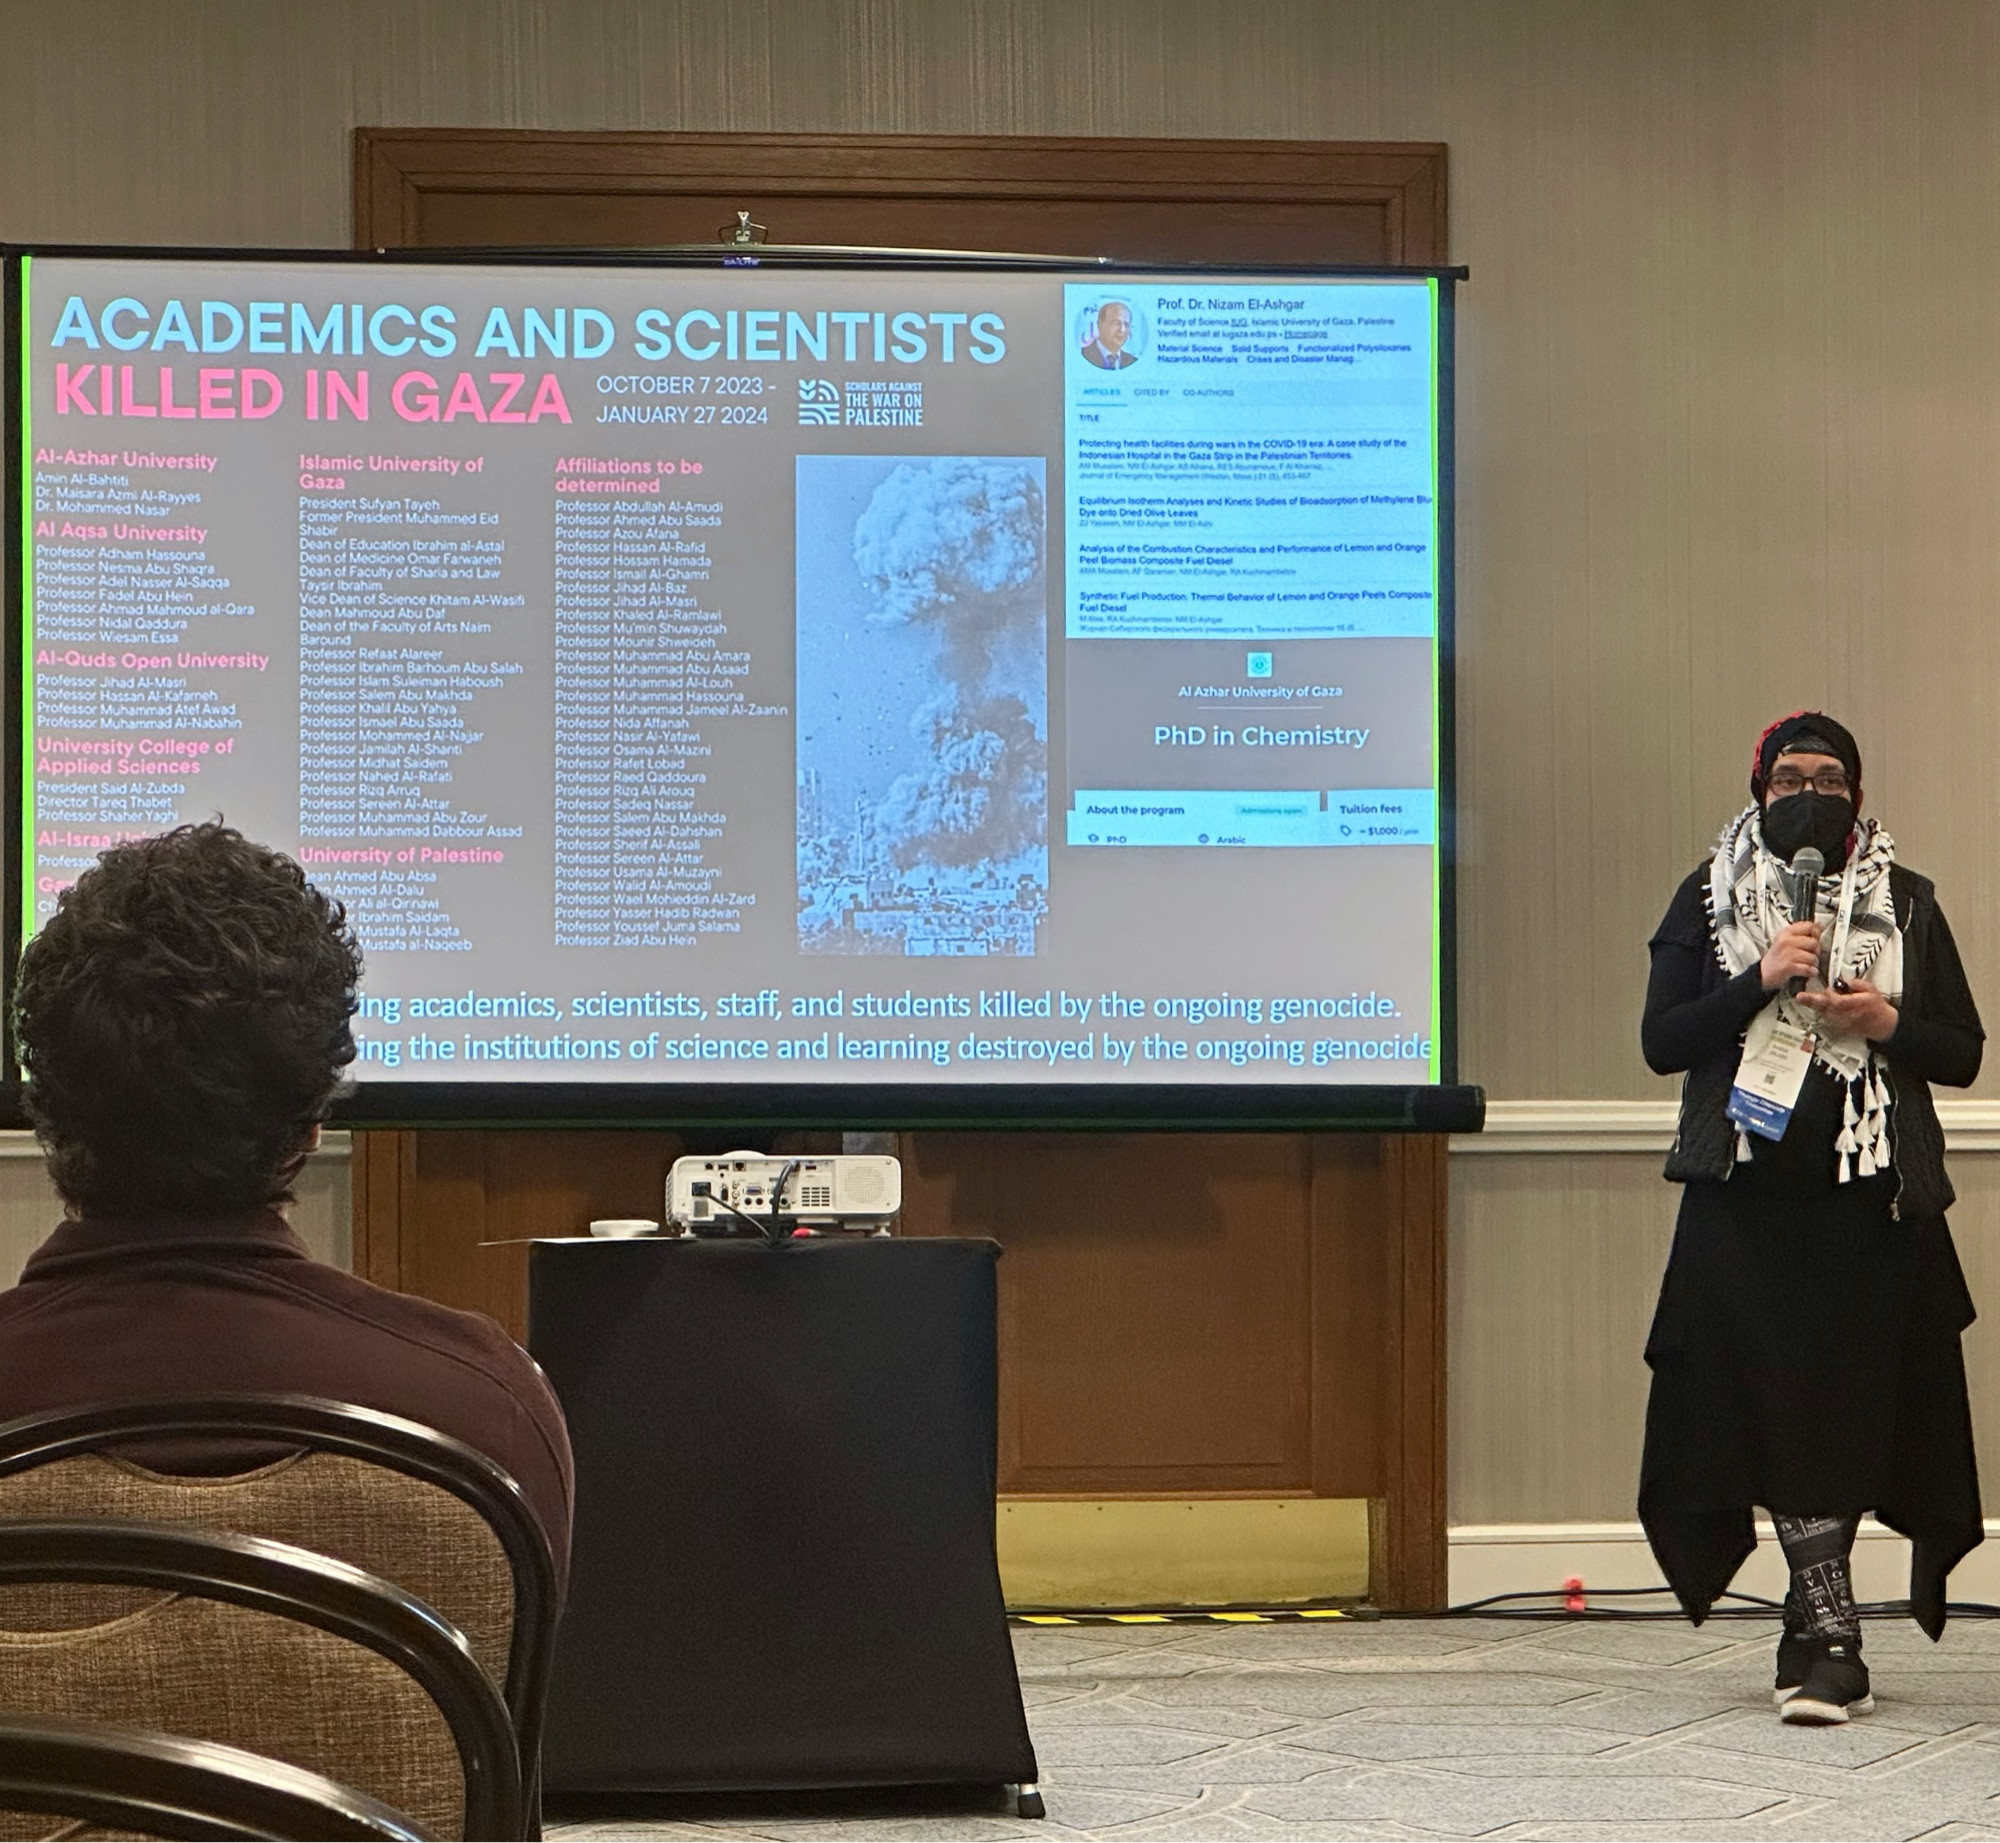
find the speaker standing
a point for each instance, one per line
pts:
(1805, 1349)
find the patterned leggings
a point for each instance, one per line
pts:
(1821, 1599)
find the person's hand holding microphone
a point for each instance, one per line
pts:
(1851, 1007)
(1793, 954)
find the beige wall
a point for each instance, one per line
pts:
(1729, 432)
(1555, 1260)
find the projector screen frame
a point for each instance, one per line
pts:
(1446, 1105)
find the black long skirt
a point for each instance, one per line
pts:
(1805, 1357)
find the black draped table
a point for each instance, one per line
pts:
(784, 1573)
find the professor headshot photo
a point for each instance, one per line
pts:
(1110, 330)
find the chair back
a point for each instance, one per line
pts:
(162, 1785)
(251, 1643)
(431, 1544)
(443, 1521)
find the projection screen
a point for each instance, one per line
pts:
(798, 687)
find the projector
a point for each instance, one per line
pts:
(850, 1192)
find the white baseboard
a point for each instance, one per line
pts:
(1492, 1558)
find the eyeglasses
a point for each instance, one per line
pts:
(1831, 781)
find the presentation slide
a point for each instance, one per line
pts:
(769, 673)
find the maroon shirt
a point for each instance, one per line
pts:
(120, 1308)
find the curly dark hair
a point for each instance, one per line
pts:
(183, 1019)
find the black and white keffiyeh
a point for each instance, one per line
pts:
(1749, 902)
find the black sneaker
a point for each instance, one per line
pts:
(1796, 1652)
(1836, 1686)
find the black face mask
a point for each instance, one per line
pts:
(1808, 818)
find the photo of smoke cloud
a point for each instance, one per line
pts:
(922, 705)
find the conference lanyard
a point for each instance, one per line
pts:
(1780, 1043)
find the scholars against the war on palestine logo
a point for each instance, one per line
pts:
(819, 402)
(1111, 336)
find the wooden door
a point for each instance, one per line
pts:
(1182, 1315)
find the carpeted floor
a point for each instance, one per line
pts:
(1458, 1728)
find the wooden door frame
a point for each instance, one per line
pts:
(396, 168)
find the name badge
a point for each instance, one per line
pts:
(1776, 1055)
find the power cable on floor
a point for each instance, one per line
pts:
(1494, 1606)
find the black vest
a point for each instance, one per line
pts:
(1705, 1145)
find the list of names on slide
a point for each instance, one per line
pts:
(125, 712)
(640, 664)
(382, 720)
(402, 602)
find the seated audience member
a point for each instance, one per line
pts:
(184, 1018)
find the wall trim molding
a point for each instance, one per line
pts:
(1496, 1558)
(1648, 1126)
(334, 1147)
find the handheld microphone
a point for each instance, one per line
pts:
(1805, 873)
